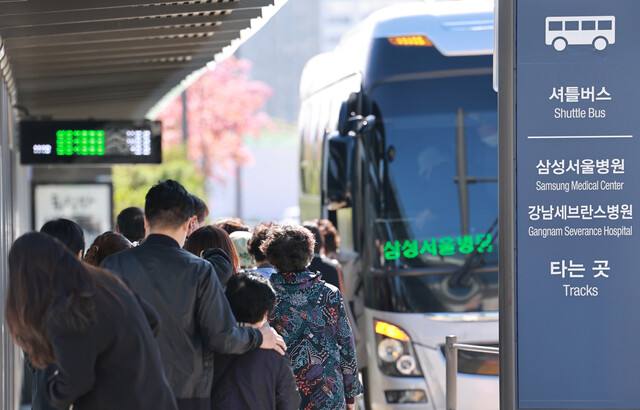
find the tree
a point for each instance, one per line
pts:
(132, 182)
(223, 106)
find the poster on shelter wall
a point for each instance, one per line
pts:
(89, 205)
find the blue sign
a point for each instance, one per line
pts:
(577, 204)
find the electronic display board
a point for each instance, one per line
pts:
(90, 142)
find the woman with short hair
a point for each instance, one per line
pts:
(311, 317)
(86, 321)
(260, 232)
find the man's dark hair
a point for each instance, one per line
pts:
(168, 204)
(67, 232)
(260, 233)
(200, 209)
(315, 230)
(289, 248)
(250, 296)
(130, 223)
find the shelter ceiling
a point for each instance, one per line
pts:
(111, 58)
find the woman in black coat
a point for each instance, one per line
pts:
(86, 321)
(214, 245)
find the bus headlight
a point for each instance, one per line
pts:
(406, 364)
(390, 350)
(396, 356)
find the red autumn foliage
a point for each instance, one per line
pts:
(223, 106)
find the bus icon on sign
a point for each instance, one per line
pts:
(580, 30)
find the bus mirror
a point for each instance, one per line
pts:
(366, 124)
(339, 168)
(348, 114)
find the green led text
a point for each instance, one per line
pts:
(80, 142)
(445, 246)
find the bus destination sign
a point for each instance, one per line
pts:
(90, 142)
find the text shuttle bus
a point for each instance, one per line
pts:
(399, 142)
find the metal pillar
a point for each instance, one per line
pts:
(451, 354)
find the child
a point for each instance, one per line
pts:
(259, 378)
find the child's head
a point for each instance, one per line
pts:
(251, 297)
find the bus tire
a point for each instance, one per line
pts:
(600, 43)
(559, 44)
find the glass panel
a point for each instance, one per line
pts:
(589, 25)
(434, 293)
(436, 175)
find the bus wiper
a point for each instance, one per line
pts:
(461, 277)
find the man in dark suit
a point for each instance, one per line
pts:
(330, 270)
(196, 319)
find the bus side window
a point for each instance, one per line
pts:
(571, 25)
(555, 26)
(589, 25)
(605, 25)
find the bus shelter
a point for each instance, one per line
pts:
(107, 60)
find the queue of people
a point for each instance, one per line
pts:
(182, 316)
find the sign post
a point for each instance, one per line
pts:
(572, 327)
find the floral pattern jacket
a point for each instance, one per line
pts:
(311, 317)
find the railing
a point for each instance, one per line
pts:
(451, 355)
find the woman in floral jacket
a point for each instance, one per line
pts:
(311, 317)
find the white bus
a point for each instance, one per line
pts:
(580, 30)
(398, 131)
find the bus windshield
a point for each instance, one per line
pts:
(433, 173)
